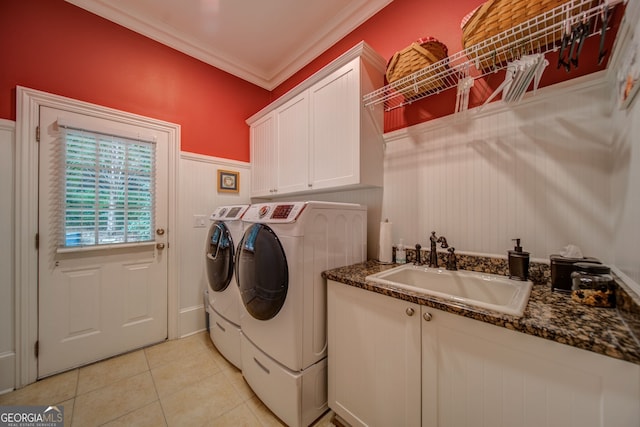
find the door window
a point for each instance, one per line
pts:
(108, 189)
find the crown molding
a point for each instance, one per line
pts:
(360, 50)
(266, 79)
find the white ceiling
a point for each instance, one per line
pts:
(261, 41)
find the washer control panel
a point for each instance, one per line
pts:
(274, 212)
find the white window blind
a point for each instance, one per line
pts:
(108, 189)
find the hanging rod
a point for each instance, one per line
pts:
(539, 34)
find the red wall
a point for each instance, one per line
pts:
(56, 47)
(53, 46)
(404, 21)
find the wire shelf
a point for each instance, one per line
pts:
(540, 34)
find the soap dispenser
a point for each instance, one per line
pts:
(401, 254)
(518, 263)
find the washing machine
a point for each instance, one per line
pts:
(284, 250)
(224, 309)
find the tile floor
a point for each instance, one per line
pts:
(183, 382)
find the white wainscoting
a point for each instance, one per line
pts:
(7, 285)
(539, 171)
(199, 196)
(626, 167)
(625, 192)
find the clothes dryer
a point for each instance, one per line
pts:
(279, 265)
(224, 299)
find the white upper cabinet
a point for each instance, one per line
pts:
(335, 133)
(279, 149)
(263, 160)
(292, 145)
(262, 135)
(322, 138)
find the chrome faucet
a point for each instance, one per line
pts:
(433, 255)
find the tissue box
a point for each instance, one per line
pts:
(561, 269)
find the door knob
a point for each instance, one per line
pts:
(160, 246)
(409, 311)
(427, 316)
(160, 231)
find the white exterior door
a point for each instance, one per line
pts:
(99, 301)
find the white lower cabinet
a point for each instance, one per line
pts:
(373, 358)
(464, 372)
(478, 374)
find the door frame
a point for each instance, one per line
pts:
(28, 103)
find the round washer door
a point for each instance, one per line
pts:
(220, 256)
(262, 272)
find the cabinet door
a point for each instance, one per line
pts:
(477, 374)
(292, 136)
(263, 159)
(335, 128)
(374, 357)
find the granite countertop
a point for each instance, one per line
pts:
(550, 315)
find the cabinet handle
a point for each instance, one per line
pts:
(427, 316)
(409, 311)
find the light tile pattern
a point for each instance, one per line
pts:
(175, 383)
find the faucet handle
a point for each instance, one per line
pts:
(452, 261)
(443, 241)
(418, 260)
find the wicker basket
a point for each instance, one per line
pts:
(413, 58)
(496, 16)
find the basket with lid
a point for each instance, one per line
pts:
(427, 53)
(494, 17)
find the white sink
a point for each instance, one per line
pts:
(490, 291)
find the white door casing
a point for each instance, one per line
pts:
(29, 102)
(96, 303)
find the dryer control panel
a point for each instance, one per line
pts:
(274, 212)
(229, 213)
